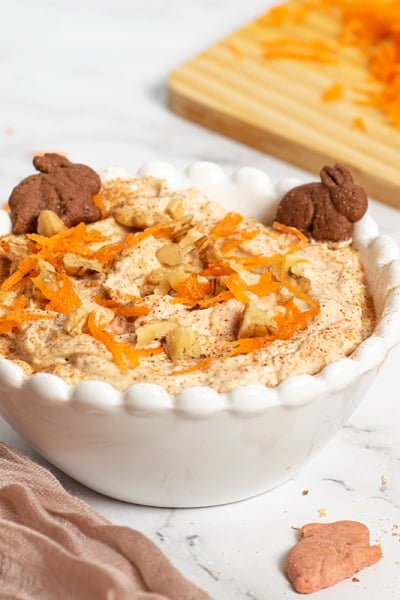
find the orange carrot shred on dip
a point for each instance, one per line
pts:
(107, 252)
(266, 285)
(302, 239)
(25, 267)
(221, 297)
(238, 287)
(192, 288)
(243, 236)
(124, 355)
(246, 345)
(75, 239)
(216, 270)
(124, 310)
(227, 226)
(17, 315)
(64, 299)
(199, 366)
(98, 201)
(160, 230)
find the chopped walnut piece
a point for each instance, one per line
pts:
(170, 254)
(153, 330)
(80, 266)
(132, 214)
(175, 207)
(256, 322)
(49, 223)
(208, 252)
(182, 342)
(77, 318)
(171, 278)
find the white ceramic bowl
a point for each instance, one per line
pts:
(202, 447)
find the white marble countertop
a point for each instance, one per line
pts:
(88, 78)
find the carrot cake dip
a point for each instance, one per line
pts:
(142, 283)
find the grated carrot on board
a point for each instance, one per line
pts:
(359, 124)
(371, 26)
(315, 50)
(333, 93)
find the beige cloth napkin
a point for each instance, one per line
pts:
(54, 546)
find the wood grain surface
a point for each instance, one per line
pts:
(276, 105)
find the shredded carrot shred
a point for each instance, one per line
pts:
(124, 310)
(17, 316)
(243, 236)
(245, 345)
(76, 240)
(125, 355)
(333, 93)
(63, 299)
(292, 230)
(200, 366)
(359, 124)
(26, 266)
(371, 26)
(221, 297)
(227, 226)
(98, 201)
(266, 285)
(216, 270)
(192, 288)
(315, 50)
(162, 229)
(238, 287)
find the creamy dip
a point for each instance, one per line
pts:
(171, 289)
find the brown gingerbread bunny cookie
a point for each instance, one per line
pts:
(327, 209)
(61, 186)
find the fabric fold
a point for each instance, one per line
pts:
(54, 545)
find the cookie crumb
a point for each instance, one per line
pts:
(323, 512)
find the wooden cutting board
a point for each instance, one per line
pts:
(276, 104)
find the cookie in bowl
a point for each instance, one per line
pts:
(162, 333)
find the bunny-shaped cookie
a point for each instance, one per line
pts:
(61, 186)
(326, 209)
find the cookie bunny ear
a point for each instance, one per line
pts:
(336, 176)
(46, 163)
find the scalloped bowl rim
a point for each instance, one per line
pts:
(201, 401)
